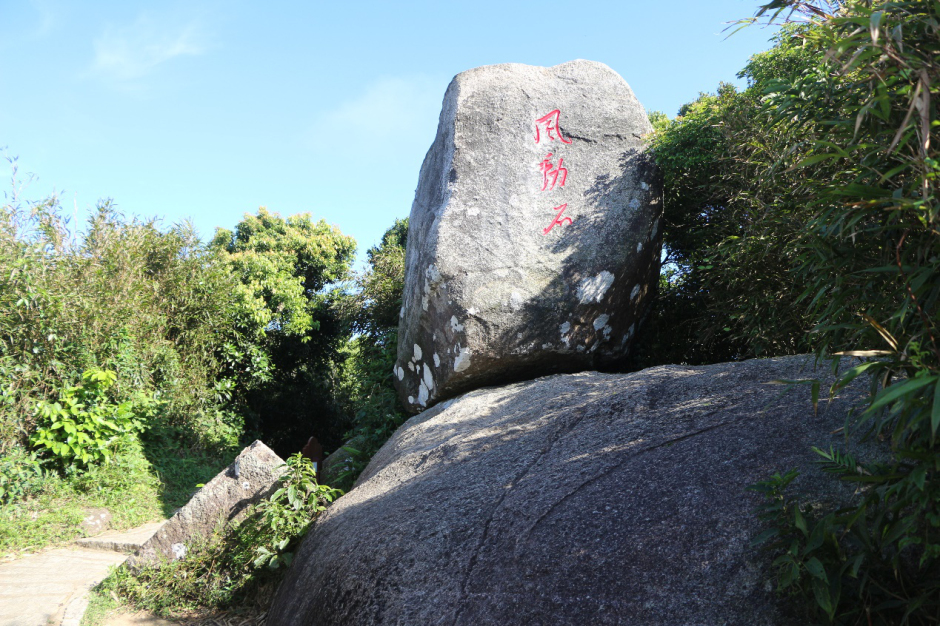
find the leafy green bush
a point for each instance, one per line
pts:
(868, 260)
(365, 379)
(151, 304)
(21, 475)
(283, 366)
(82, 427)
(284, 517)
(734, 212)
(802, 215)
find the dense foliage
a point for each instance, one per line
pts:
(123, 295)
(734, 211)
(367, 389)
(807, 202)
(288, 270)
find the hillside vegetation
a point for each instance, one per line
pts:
(801, 216)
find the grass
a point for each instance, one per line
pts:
(100, 605)
(142, 483)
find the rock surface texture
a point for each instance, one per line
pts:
(534, 237)
(252, 475)
(572, 499)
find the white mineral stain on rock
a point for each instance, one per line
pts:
(428, 377)
(644, 186)
(639, 247)
(580, 348)
(635, 292)
(607, 331)
(179, 551)
(601, 321)
(546, 346)
(473, 211)
(433, 274)
(423, 394)
(655, 230)
(401, 313)
(634, 204)
(454, 325)
(518, 335)
(472, 311)
(592, 289)
(462, 361)
(417, 352)
(565, 328)
(437, 360)
(411, 365)
(401, 373)
(515, 301)
(411, 399)
(424, 302)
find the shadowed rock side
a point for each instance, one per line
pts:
(572, 499)
(534, 238)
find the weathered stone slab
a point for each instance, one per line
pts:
(574, 499)
(533, 242)
(252, 476)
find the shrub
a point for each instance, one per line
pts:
(81, 428)
(21, 475)
(868, 262)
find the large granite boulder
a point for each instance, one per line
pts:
(253, 475)
(534, 237)
(572, 499)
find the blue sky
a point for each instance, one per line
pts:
(205, 110)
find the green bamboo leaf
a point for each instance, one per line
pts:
(816, 158)
(816, 570)
(935, 413)
(894, 392)
(799, 521)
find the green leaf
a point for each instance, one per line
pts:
(935, 413)
(816, 537)
(821, 593)
(816, 570)
(816, 158)
(765, 536)
(799, 521)
(894, 392)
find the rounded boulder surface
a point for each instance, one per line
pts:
(534, 238)
(572, 499)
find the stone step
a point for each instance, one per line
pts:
(127, 541)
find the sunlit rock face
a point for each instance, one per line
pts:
(577, 499)
(534, 238)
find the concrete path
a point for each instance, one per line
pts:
(51, 588)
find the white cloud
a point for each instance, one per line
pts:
(402, 110)
(126, 53)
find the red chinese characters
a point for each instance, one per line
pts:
(559, 220)
(550, 123)
(546, 127)
(551, 173)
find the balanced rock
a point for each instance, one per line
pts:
(534, 237)
(573, 499)
(253, 475)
